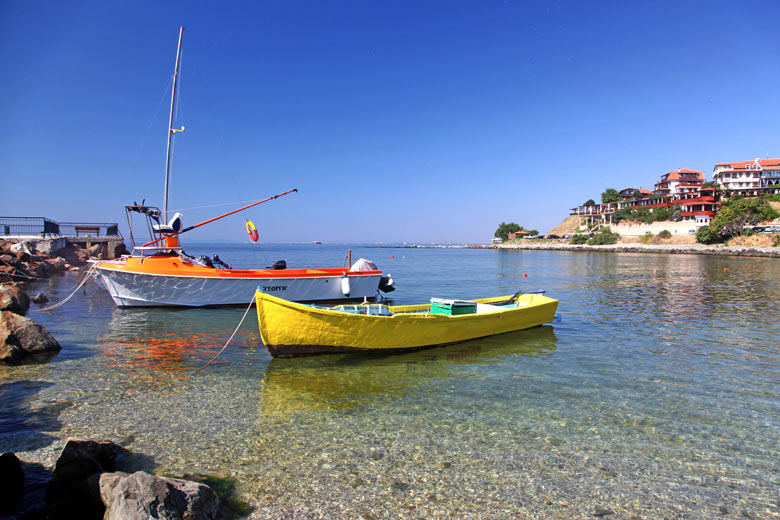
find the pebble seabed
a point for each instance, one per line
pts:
(309, 445)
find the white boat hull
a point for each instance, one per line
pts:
(130, 289)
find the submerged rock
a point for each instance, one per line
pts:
(141, 496)
(40, 298)
(13, 299)
(20, 336)
(12, 478)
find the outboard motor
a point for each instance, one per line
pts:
(386, 284)
(217, 262)
(206, 261)
(279, 264)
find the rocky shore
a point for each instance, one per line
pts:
(24, 261)
(85, 484)
(683, 249)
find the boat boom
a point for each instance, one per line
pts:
(224, 215)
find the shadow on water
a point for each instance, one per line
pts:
(36, 480)
(21, 427)
(345, 381)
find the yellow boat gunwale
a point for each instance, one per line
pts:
(290, 329)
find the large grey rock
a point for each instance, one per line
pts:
(20, 336)
(74, 483)
(13, 299)
(12, 478)
(140, 496)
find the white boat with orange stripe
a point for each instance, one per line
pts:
(170, 278)
(160, 273)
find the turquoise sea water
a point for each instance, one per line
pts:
(656, 396)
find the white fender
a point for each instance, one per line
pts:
(345, 289)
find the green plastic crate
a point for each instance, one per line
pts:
(453, 307)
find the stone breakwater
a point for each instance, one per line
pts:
(682, 249)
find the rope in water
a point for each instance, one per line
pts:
(251, 302)
(63, 302)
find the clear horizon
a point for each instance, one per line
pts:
(408, 122)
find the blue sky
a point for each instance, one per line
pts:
(397, 121)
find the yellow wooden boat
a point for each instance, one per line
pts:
(290, 329)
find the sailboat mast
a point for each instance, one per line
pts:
(171, 131)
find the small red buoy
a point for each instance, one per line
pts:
(724, 269)
(392, 256)
(525, 275)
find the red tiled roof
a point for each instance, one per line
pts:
(675, 175)
(743, 165)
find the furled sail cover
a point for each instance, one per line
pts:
(364, 265)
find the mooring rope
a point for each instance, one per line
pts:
(251, 302)
(63, 302)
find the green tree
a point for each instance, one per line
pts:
(738, 212)
(604, 237)
(504, 229)
(704, 235)
(590, 202)
(711, 184)
(579, 238)
(610, 195)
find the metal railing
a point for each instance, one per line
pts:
(42, 227)
(28, 226)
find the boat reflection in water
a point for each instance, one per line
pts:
(174, 342)
(343, 381)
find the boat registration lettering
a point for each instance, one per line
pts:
(275, 288)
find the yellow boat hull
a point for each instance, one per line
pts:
(290, 329)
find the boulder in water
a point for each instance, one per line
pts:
(139, 496)
(13, 299)
(74, 484)
(20, 336)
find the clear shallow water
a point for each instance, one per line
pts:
(656, 396)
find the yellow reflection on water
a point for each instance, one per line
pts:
(297, 385)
